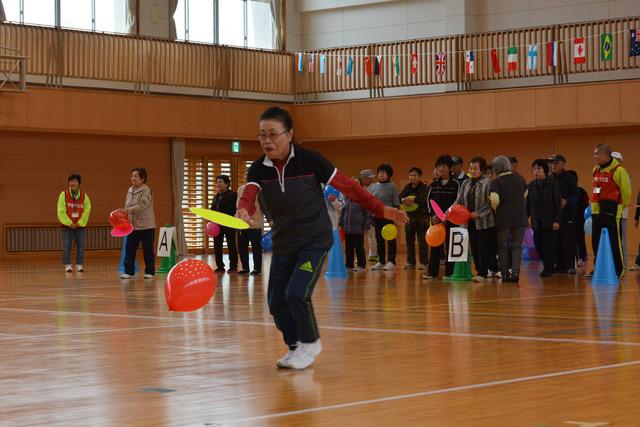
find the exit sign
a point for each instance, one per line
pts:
(235, 146)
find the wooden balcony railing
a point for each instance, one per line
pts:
(59, 53)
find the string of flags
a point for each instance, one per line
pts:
(373, 63)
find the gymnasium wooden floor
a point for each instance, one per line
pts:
(92, 350)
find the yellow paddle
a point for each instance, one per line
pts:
(220, 218)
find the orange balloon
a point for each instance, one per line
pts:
(190, 285)
(436, 235)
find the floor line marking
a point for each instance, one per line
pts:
(435, 392)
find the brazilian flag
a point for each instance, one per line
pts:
(606, 47)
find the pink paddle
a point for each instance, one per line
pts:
(437, 210)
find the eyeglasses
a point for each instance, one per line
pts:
(271, 136)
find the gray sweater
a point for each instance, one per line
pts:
(387, 193)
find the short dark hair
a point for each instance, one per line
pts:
(573, 174)
(544, 164)
(604, 148)
(445, 159)
(387, 168)
(76, 177)
(480, 161)
(142, 173)
(224, 178)
(416, 169)
(278, 114)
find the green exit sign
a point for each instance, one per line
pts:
(235, 146)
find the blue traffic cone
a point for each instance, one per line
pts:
(604, 272)
(121, 265)
(335, 266)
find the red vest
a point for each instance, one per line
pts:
(74, 207)
(608, 189)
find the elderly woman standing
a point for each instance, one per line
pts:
(507, 195)
(139, 207)
(545, 209)
(474, 195)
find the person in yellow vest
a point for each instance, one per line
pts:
(611, 193)
(74, 208)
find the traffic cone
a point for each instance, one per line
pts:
(121, 264)
(335, 266)
(168, 262)
(604, 272)
(462, 270)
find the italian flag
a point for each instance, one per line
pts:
(512, 58)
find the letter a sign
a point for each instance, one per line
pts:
(165, 240)
(458, 244)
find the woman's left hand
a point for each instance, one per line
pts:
(473, 215)
(122, 211)
(555, 226)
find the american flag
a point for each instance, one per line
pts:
(634, 46)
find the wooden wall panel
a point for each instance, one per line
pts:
(334, 120)
(439, 114)
(120, 113)
(515, 109)
(305, 121)
(477, 111)
(34, 168)
(630, 102)
(557, 106)
(599, 104)
(13, 110)
(368, 118)
(403, 116)
(45, 109)
(83, 111)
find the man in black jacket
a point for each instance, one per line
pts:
(566, 236)
(225, 202)
(415, 203)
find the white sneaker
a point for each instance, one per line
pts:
(79, 268)
(314, 348)
(126, 276)
(409, 266)
(283, 362)
(359, 269)
(68, 268)
(148, 276)
(422, 267)
(428, 277)
(478, 279)
(302, 356)
(390, 266)
(634, 267)
(378, 266)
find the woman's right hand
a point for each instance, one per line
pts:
(244, 215)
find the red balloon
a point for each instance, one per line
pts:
(190, 285)
(119, 220)
(458, 214)
(436, 235)
(212, 229)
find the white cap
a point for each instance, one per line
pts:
(616, 155)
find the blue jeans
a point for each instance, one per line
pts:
(68, 236)
(292, 279)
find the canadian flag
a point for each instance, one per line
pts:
(578, 51)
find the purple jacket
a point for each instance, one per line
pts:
(354, 219)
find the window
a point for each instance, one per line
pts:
(259, 24)
(77, 14)
(91, 15)
(40, 12)
(12, 10)
(245, 23)
(111, 16)
(198, 192)
(232, 22)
